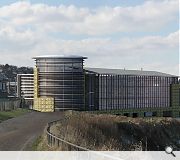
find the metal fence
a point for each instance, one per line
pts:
(54, 141)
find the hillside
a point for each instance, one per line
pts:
(109, 132)
(11, 71)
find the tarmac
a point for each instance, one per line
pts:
(18, 134)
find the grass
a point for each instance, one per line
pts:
(5, 115)
(104, 132)
(41, 144)
(35, 145)
(109, 132)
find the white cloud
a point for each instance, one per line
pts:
(150, 16)
(26, 30)
(124, 52)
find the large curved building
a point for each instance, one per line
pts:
(61, 83)
(58, 83)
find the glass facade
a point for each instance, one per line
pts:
(112, 92)
(62, 79)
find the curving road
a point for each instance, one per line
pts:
(18, 133)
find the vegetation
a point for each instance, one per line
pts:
(110, 132)
(4, 115)
(41, 144)
(36, 143)
(11, 71)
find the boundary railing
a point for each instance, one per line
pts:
(59, 142)
(54, 141)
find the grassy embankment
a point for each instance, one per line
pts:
(5, 115)
(109, 132)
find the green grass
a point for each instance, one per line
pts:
(36, 143)
(4, 115)
(40, 144)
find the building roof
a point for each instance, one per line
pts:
(59, 56)
(128, 72)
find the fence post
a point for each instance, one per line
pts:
(55, 141)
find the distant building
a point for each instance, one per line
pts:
(25, 87)
(12, 89)
(3, 86)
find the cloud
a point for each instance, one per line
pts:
(149, 16)
(101, 52)
(27, 30)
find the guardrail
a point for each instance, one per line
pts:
(59, 142)
(54, 141)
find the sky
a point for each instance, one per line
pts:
(130, 34)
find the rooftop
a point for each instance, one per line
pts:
(59, 56)
(128, 72)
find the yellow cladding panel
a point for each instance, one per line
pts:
(35, 82)
(41, 104)
(44, 104)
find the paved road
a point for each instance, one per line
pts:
(18, 133)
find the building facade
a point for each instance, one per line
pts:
(3, 86)
(62, 83)
(12, 89)
(25, 88)
(129, 91)
(58, 83)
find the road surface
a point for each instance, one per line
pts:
(18, 134)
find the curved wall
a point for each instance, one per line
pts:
(61, 78)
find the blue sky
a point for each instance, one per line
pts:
(83, 3)
(130, 34)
